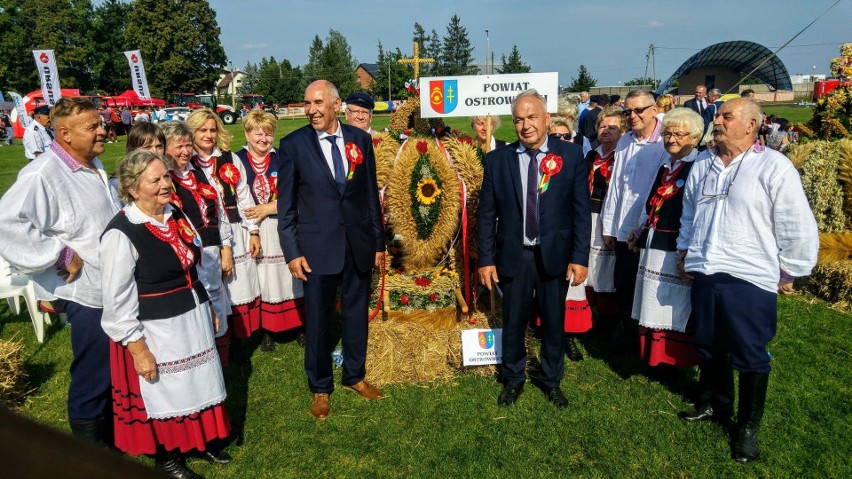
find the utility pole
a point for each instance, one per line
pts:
(389, 78)
(487, 48)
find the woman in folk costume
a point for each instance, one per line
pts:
(600, 285)
(662, 299)
(168, 389)
(227, 175)
(282, 304)
(193, 194)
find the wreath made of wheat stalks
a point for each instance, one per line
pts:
(423, 202)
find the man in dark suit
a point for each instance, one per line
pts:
(533, 239)
(330, 227)
(699, 103)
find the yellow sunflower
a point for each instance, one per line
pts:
(427, 191)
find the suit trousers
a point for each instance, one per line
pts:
(532, 287)
(89, 394)
(735, 317)
(320, 293)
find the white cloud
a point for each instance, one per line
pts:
(253, 46)
(656, 24)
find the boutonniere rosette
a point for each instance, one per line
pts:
(229, 174)
(550, 166)
(206, 191)
(186, 232)
(175, 200)
(355, 157)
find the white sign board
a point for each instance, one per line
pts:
(482, 346)
(482, 94)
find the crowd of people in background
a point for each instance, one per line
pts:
(664, 219)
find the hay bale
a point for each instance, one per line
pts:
(14, 387)
(401, 350)
(822, 186)
(833, 283)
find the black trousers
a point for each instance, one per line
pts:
(531, 286)
(320, 305)
(626, 267)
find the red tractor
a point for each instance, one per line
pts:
(193, 101)
(253, 100)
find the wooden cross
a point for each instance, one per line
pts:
(416, 61)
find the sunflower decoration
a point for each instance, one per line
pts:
(427, 191)
(423, 201)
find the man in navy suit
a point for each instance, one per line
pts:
(699, 103)
(330, 227)
(533, 240)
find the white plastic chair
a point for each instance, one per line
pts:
(13, 286)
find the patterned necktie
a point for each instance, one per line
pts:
(337, 161)
(531, 228)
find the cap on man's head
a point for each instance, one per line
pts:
(360, 99)
(42, 110)
(595, 98)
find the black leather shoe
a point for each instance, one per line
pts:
(267, 344)
(556, 397)
(571, 350)
(509, 395)
(171, 464)
(216, 456)
(745, 446)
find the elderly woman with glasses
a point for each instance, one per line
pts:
(661, 301)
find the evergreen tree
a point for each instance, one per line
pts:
(513, 64)
(268, 80)
(110, 69)
(332, 61)
(63, 26)
(456, 53)
(311, 71)
(290, 84)
(432, 49)
(399, 74)
(179, 42)
(584, 80)
(251, 75)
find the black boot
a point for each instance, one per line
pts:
(173, 464)
(716, 393)
(98, 432)
(571, 350)
(267, 344)
(749, 413)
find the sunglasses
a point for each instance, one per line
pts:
(638, 111)
(562, 136)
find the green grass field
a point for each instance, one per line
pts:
(621, 422)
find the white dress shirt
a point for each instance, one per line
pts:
(635, 167)
(750, 219)
(36, 140)
(57, 203)
(325, 146)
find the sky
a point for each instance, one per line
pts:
(610, 37)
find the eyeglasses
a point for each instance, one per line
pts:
(562, 136)
(358, 112)
(638, 111)
(679, 135)
(724, 193)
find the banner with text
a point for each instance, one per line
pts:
(482, 94)
(47, 71)
(20, 110)
(137, 74)
(482, 346)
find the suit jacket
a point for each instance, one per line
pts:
(315, 220)
(710, 112)
(565, 219)
(692, 103)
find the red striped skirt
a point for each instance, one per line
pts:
(659, 346)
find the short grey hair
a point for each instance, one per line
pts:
(556, 121)
(687, 118)
(495, 121)
(750, 109)
(130, 168)
(640, 93)
(568, 108)
(531, 93)
(174, 129)
(714, 92)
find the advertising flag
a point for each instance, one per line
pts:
(20, 110)
(137, 74)
(47, 71)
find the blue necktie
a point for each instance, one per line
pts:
(337, 161)
(531, 228)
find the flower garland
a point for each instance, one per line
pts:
(429, 291)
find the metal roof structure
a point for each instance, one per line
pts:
(739, 56)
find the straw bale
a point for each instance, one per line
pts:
(409, 349)
(14, 387)
(833, 283)
(822, 187)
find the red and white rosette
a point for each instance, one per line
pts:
(550, 166)
(355, 157)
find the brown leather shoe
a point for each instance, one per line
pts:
(367, 390)
(320, 406)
